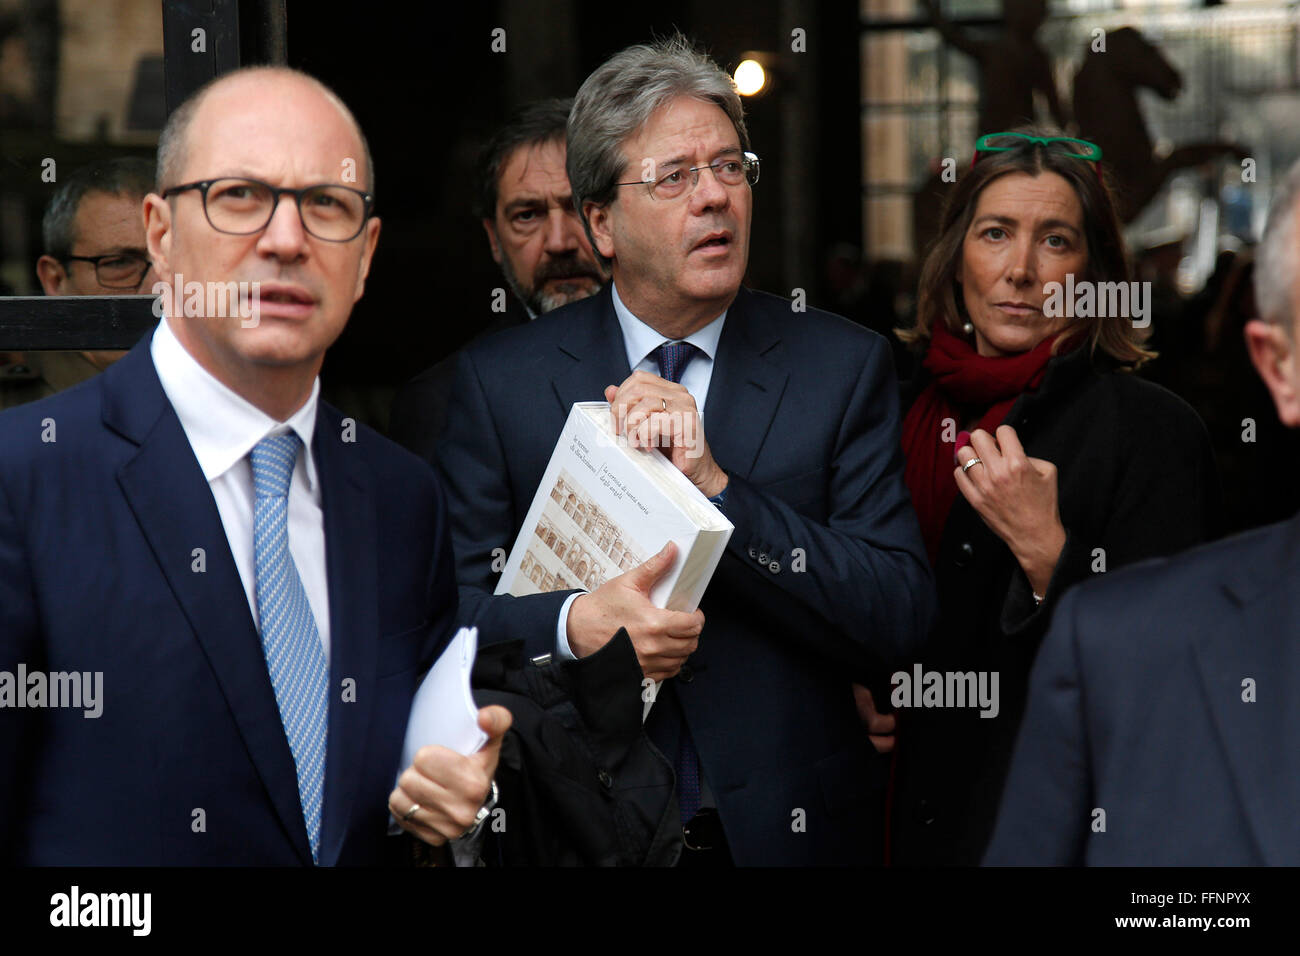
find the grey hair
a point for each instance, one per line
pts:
(172, 141)
(619, 98)
(124, 176)
(1277, 256)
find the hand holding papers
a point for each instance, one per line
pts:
(451, 750)
(443, 713)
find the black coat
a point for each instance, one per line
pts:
(419, 409)
(1136, 479)
(580, 782)
(1139, 707)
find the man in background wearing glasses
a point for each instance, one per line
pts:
(247, 584)
(93, 232)
(824, 580)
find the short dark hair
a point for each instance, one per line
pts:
(534, 124)
(123, 176)
(937, 297)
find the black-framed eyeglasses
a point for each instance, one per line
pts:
(241, 207)
(729, 172)
(117, 270)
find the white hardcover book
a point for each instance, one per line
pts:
(603, 508)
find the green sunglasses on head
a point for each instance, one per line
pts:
(1002, 142)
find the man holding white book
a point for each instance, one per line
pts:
(824, 579)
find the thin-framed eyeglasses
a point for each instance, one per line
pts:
(241, 207)
(729, 172)
(117, 270)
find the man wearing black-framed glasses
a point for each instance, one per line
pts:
(254, 581)
(93, 235)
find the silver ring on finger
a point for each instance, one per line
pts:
(406, 817)
(970, 464)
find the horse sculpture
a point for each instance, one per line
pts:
(1107, 113)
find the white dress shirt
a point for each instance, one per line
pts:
(223, 428)
(641, 341)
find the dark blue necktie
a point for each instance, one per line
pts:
(672, 358)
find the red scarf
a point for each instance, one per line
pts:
(965, 385)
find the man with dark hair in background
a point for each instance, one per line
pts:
(93, 233)
(536, 237)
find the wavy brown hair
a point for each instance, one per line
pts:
(938, 298)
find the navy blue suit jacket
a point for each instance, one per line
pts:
(802, 413)
(1137, 707)
(98, 573)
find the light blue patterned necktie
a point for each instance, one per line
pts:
(294, 655)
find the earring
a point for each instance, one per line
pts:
(968, 329)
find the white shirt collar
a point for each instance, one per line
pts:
(641, 340)
(222, 427)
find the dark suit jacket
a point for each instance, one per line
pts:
(98, 573)
(802, 413)
(419, 408)
(1136, 479)
(1136, 707)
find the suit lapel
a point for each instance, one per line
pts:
(1260, 738)
(592, 351)
(174, 507)
(746, 386)
(744, 391)
(351, 549)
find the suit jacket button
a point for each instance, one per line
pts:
(762, 558)
(605, 779)
(774, 567)
(753, 553)
(926, 812)
(686, 675)
(965, 554)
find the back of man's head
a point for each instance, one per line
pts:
(1271, 339)
(131, 177)
(1277, 260)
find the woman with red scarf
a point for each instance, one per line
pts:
(1035, 459)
